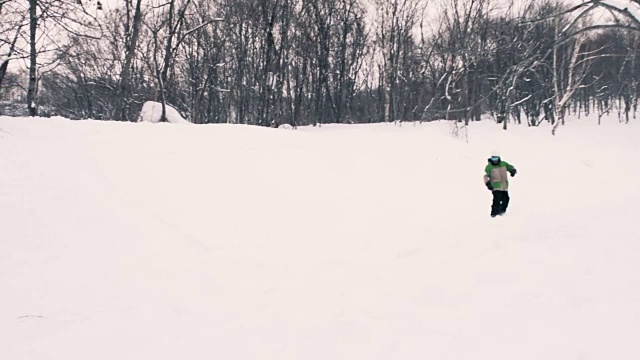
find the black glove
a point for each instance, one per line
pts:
(513, 172)
(489, 186)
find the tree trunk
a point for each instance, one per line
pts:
(3, 70)
(164, 74)
(32, 89)
(5, 64)
(125, 82)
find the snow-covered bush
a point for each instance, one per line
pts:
(152, 111)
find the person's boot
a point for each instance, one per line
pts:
(495, 211)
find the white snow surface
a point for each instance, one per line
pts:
(152, 111)
(340, 242)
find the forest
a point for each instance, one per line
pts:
(308, 62)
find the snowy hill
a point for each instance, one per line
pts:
(168, 241)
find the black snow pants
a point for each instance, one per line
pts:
(500, 202)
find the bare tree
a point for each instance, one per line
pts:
(629, 11)
(312, 61)
(522, 66)
(168, 31)
(394, 37)
(462, 50)
(86, 82)
(132, 31)
(54, 18)
(202, 63)
(14, 19)
(627, 76)
(568, 79)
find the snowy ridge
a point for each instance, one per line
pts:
(144, 241)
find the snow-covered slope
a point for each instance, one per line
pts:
(164, 241)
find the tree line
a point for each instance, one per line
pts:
(300, 62)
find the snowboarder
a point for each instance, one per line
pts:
(497, 182)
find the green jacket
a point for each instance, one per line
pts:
(498, 175)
